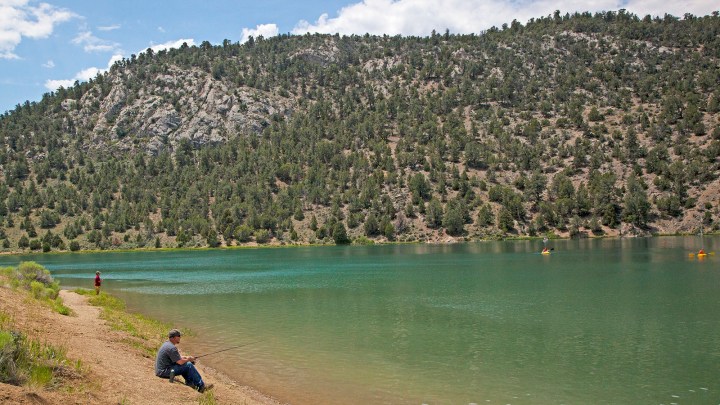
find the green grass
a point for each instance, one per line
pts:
(40, 376)
(207, 398)
(5, 320)
(28, 362)
(146, 334)
(6, 338)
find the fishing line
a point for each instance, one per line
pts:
(229, 348)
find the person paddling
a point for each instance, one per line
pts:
(545, 250)
(170, 363)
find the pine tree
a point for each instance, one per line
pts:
(636, 206)
(340, 234)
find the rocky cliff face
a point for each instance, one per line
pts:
(177, 105)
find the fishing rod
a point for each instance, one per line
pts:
(229, 348)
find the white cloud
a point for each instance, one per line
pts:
(81, 76)
(420, 17)
(90, 73)
(18, 19)
(170, 44)
(49, 64)
(113, 59)
(266, 30)
(161, 29)
(92, 43)
(109, 27)
(676, 8)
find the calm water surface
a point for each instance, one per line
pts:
(633, 321)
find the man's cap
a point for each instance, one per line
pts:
(173, 333)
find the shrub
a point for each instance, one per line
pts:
(363, 240)
(243, 233)
(30, 271)
(262, 236)
(24, 242)
(37, 279)
(37, 289)
(35, 244)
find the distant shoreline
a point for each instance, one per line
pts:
(283, 246)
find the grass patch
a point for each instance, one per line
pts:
(207, 398)
(40, 376)
(32, 363)
(146, 334)
(5, 320)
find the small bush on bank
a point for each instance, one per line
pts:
(27, 272)
(363, 240)
(37, 280)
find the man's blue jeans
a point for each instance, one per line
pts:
(189, 373)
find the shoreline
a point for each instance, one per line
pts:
(450, 241)
(113, 368)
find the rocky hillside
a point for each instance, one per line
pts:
(575, 125)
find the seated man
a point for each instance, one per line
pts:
(170, 363)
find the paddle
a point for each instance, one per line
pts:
(708, 254)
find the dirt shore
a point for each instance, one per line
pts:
(113, 372)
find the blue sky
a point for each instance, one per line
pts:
(46, 44)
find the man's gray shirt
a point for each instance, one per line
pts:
(167, 357)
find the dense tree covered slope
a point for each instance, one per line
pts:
(575, 125)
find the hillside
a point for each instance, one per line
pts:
(576, 125)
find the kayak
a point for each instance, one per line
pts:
(701, 254)
(544, 253)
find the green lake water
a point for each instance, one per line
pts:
(626, 321)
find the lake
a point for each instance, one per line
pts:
(615, 321)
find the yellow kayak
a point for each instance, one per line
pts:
(545, 253)
(701, 254)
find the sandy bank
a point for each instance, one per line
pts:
(115, 372)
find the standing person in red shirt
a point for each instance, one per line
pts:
(97, 283)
